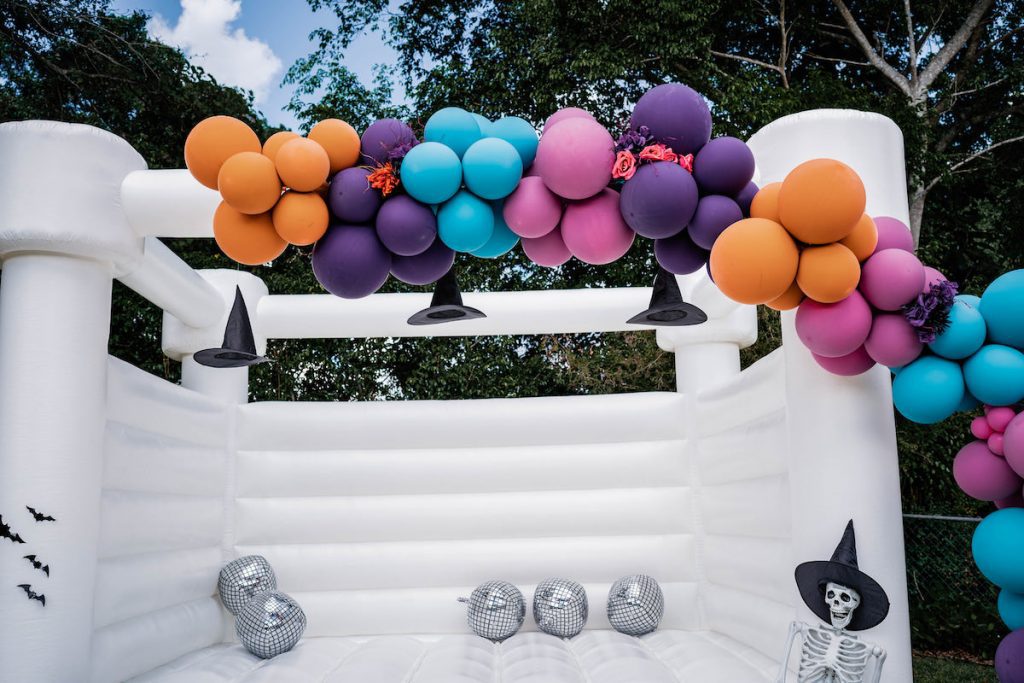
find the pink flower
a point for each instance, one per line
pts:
(686, 161)
(625, 165)
(657, 152)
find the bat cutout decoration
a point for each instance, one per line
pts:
(39, 516)
(45, 568)
(32, 595)
(5, 532)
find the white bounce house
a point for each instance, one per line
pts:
(377, 516)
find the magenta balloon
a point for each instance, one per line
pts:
(405, 226)
(980, 428)
(893, 234)
(532, 210)
(893, 341)
(891, 278)
(567, 113)
(723, 166)
(982, 474)
(422, 269)
(675, 115)
(851, 364)
(659, 200)
(1013, 444)
(575, 157)
(381, 137)
(594, 231)
(714, 214)
(995, 444)
(931, 277)
(350, 261)
(678, 254)
(548, 250)
(1000, 417)
(1013, 501)
(834, 330)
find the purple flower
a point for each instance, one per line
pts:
(929, 313)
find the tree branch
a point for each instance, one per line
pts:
(911, 40)
(749, 60)
(873, 57)
(840, 61)
(963, 162)
(938, 63)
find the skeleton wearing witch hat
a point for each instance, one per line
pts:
(848, 600)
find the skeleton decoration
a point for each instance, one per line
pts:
(848, 600)
(243, 578)
(496, 610)
(270, 624)
(560, 607)
(635, 605)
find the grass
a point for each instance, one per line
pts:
(935, 670)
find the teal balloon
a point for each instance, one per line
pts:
(998, 548)
(995, 375)
(928, 390)
(967, 403)
(965, 333)
(465, 222)
(1011, 609)
(520, 133)
(1002, 304)
(431, 173)
(970, 299)
(502, 240)
(453, 127)
(484, 123)
(491, 168)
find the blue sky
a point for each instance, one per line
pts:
(251, 43)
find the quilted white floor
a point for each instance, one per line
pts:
(592, 657)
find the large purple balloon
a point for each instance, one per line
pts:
(675, 115)
(350, 262)
(714, 214)
(1010, 658)
(678, 254)
(659, 200)
(383, 136)
(723, 166)
(351, 199)
(405, 226)
(745, 197)
(424, 268)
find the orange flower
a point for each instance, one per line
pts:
(625, 165)
(657, 152)
(686, 161)
(383, 178)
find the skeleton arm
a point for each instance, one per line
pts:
(877, 654)
(795, 627)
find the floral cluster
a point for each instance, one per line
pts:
(929, 313)
(635, 147)
(384, 178)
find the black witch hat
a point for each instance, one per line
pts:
(446, 304)
(239, 348)
(667, 305)
(811, 578)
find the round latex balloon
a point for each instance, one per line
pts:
(928, 390)
(789, 300)
(995, 444)
(422, 269)
(1002, 305)
(453, 127)
(1014, 501)
(532, 210)
(1011, 609)
(679, 255)
(502, 239)
(212, 141)
(863, 239)
(968, 403)
(893, 234)
(833, 330)
(431, 173)
(575, 158)
(465, 222)
(856, 363)
(382, 137)
(713, 215)
(1009, 659)
(248, 239)
(301, 218)
(351, 198)
(932, 277)
(275, 141)
(567, 113)
(766, 203)
(548, 250)
(893, 341)
(891, 278)
(1013, 444)
(594, 230)
(339, 140)
(999, 418)
(745, 197)
(982, 474)
(492, 168)
(828, 273)
(821, 201)
(755, 261)
(659, 200)
(723, 166)
(965, 333)
(350, 262)
(676, 116)
(998, 548)
(995, 375)
(483, 123)
(518, 133)
(405, 226)
(980, 428)
(248, 182)
(302, 164)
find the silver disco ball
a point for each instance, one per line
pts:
(496, 610)
(270, 624)
(560, 607)
(243, 578)
(635, 605)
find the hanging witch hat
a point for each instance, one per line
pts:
(667, 305)
(811, 578)
(446, 304)
(239, 347)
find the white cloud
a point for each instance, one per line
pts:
(205, 35)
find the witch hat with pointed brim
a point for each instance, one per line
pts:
(667, 305)
(239, 347)
(812, 577)
(446, 304)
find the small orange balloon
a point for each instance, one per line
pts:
(248, 182)
(766, 203)
(789, 300)
(754, 261)
(340, 140)
(302, 164)
(863, 239)
(275, 141)
(821, 201)
(828, 273)
(248, 239)
(212, 141)
(301, 218)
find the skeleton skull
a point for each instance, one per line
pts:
(841, 602)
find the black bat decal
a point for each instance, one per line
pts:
(39, 516)
(37, 564)
(32, 595)
(5, 532)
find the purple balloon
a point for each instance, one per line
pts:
(406, 226)
(351, 199)
(675, 115)
(723, 166)
(383, 136)
(745, 197)
(424, 268)
(714, 214)
(659, 200)
(678, 254)
(1010, 658)
(350, 262)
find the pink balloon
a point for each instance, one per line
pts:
(893, 341)
(893, 234)
(998, 418)
(594, 229)
(1013, 501)
(891, 278)
(983, 475)
(851, 364)
(980, 428)
(567, 113)
(532, 210)
(1013, 444)
(575, 158)
(548, 250)
(931, 277)
(834, 330)
(995, 444)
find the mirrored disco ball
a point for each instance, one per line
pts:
(560, 607)
(635, 605)
(243, 578)
(496, 610)
(270, 624)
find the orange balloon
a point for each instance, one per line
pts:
(828, 273)
(766, 203)
(302, 164)
(821, 201)
(301, 218)
(248, 239)
(212, 141)
(863, 239)
(340, 140)
(754, 261)
(275, 141)
(789, 300)
(248, 182)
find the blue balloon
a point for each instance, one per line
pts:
(431, 173)
(465, 222)
(1011, 609)
(928, 390)
(965, 334)
(998, 548)
(492, 168)
(995, 375)
(453, 127)
(484, 123)
(520, 133)
(1002, 304)
(968, 403)
(970, 299)
(502, 240)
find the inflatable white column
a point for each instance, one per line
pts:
(842, 430)
(63, 238)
